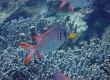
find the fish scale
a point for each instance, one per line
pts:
(48, 37)
(47, 41)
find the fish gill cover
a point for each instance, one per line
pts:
(84, 58)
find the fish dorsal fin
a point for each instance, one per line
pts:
(37, 38)
(47, 31)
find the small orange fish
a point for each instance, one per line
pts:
(73, 35)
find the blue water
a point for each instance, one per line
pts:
(87, 57)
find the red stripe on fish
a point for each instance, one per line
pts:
(29, 56)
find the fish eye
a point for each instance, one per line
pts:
(64, 33)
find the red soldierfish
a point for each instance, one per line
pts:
(52, 39)
(60, 76)
(75, 3)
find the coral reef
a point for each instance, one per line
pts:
(77, 20)
(81, 62)
(87, 60)
(22, 30)
(106, 67)
(16, 8)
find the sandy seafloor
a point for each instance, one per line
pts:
(86, 57)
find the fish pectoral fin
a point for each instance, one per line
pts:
(29, 56)
(36, 37)
(26, 46)
(40, 55)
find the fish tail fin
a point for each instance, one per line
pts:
(29, 56)
(31, 53)
(26, 46)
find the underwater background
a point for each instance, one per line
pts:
(86, 57)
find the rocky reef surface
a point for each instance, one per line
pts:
(85, 58)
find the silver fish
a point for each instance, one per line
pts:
(52, 39)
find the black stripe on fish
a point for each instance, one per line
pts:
(60, 37)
